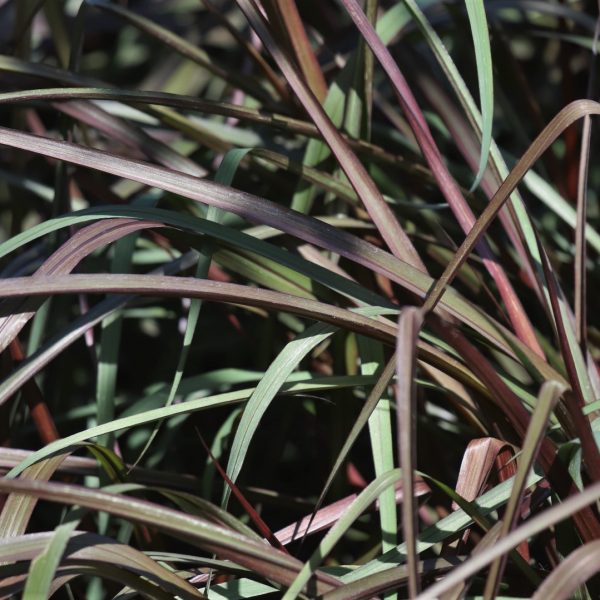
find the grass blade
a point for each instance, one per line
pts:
(150, 416)
(572, 572)
(409, 324)
(566, 117)
(381, 436)
(446, 183)
(279, 370)
(43, 567)
(485, 77)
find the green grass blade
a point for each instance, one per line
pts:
(380, 433)
(444, 528)
(570, 574)
(275, 376)
(225, 174)
(535, 525)
(43, 567)
(485, 77)
(279, 370)
(192, 405)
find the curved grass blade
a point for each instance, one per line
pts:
(197, 288)
(253, 209)
(485, 77)
(409, 324)
(63, 261)
(226, 235)
(566, 117)
(157, 414)
(266, 390)
(139, 97)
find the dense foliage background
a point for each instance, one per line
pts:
(298, 299)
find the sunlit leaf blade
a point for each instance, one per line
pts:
(279, 370)
(381, 436)
(446, 527)
(17, 509)
(43, 567)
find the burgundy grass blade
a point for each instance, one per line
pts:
(258, 521)
(327, 516)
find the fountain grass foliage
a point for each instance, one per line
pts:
(298, 299)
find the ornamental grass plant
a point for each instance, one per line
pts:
(297, 299)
